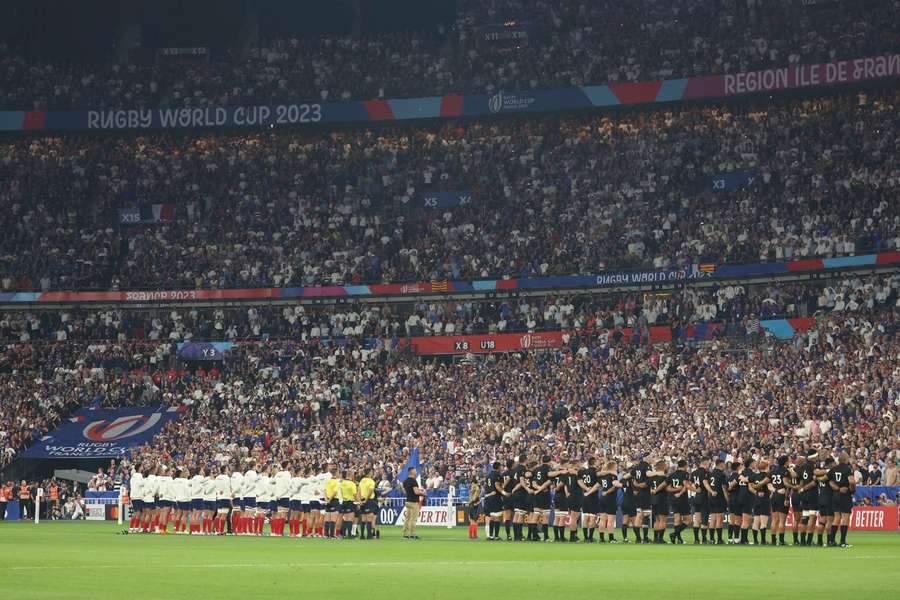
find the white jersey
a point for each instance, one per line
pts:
(296, 489)
(136, 485)
(223, 487)
(281, 484)
(250, 478)
(262, 489)
(237, 484)
(164, 488)
(182, 488)
(319, 482)
(198, 482)
(150, 488)
(209, 490)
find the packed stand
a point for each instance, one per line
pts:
(733, 304)
(836, 385)
(556, 45)
(550, 197)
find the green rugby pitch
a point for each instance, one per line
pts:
(63, 560)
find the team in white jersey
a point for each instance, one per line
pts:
(200, 503)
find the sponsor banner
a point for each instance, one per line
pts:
(429, 516)
(517, 342)
(147, 214)
(203, 350)
(724, 182)
(486, 344)
(95, 512)
(867, 518)
(102, 433)
(452, 106)
(446, 199)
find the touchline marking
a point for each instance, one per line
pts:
(470, 563)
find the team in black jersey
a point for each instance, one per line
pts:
(757, 495)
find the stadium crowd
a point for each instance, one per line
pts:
(734, 304)
(556, 44)
(835, 385)
(550, 196)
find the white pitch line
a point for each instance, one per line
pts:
(463, 563)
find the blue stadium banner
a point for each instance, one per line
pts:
(446, 199)
(98, 433)
(723, 182)
(203, 350)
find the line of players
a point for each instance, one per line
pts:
(311, 502)
(756, 495)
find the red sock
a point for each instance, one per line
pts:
(146, 526)
(260, 524)
(234, 523)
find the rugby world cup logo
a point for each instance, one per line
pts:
(525, 341)
(495, 102)
(123, 427)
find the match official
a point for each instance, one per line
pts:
(413, 496)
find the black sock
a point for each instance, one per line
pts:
(762, 533)
(719, 533)
(697, 534)
(781, 538)
(755, 536)
(744, 535)
(833, 535)
(796, 540)
(507, 524)
(517, 531)
(533, 530)
(843, 534)
(584, 533)
(646, 534)
(819, 539)
(637, 533)
(573, 535)
(624, 532)
(733, 531)
(774, 539)
(601, 535)
(544, 530)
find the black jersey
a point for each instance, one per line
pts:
(698, 476)
(778, 476)
(656, 482)
(526, 482)
(759, 481)
(587, 476)
(495, 480)
(745, 478)
(512, 478)
(824, 490)
(540, 477)
(717, 481)
(572, 488)
(841, 475)
(638, 476)
(806, 474)
(607, 482)
(733, 482)
(676, 480)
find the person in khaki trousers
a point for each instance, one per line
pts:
(414, 494)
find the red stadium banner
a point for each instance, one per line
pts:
(867, 518)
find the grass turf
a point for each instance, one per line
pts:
(89, 560)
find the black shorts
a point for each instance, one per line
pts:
(348, 507)
(746, 502)
(809, 502)
(284, 502)
(509, 502)
(590, 505)
(660, 508)
(608, 505)
(561, 503)
(542, 501)
(629, 508)
(826, 506)
(473, 512)
(369, 507)
(522, 502)
(779, 503)
(717, 504)
(680, 505)
(137, 505)
(642, 501)
(842, 503)
(762, 507)
(700, 504)
(493, 504)
(574, 503)
(334, 505)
